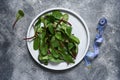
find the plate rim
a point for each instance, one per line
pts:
(75, 14)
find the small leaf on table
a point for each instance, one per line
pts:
(19, 15)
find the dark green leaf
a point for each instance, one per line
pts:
(58, 35)
(39, 29)
(63, 26)
(68, 30)
(70, 46)
(41, 42)
(42, 19)
(36, 43)
(65, 55)
(75, 39)
(76, 50)
(43, 59)
(38, 22)
(45, 23)
(54, 53)
(54, 42)
(57, 14)
(42, 35)
(20, 14)
(67, 58)
(50, 18)
(51, 29)
(65, 17)
(43, 49)
(55, 60)
(52, 59)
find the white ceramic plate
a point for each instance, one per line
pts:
(79, 29)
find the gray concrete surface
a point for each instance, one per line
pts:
(16, 62)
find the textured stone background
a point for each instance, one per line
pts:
(16, 62)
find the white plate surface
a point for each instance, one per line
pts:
(79, 29)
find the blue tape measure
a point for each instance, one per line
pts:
(97, 42)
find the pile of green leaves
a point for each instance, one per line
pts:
(53, 38)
